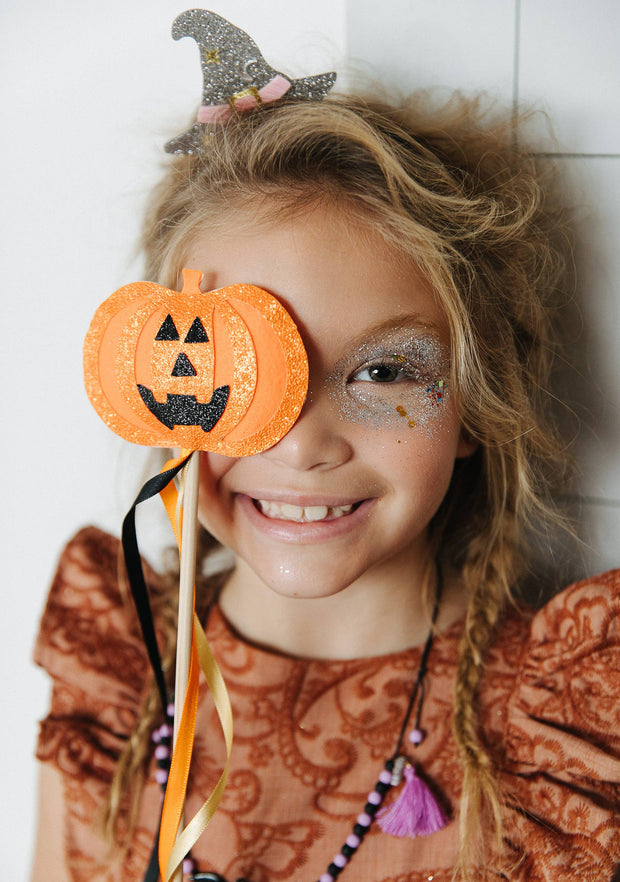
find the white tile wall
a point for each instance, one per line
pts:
(465, 44)
(601, 525)
(569, 60)
(594, 184)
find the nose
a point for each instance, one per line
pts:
(316, 441)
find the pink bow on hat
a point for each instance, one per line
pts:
(246, 100)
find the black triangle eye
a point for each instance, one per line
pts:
(196, 333)
(183, 367)
(168, 330)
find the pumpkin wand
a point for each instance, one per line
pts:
(223, 371)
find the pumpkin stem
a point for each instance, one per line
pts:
(191, 281)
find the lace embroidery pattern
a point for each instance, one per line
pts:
(311, 734)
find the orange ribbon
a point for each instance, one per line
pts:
(175, 845)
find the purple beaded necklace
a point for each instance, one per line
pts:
(415, 812)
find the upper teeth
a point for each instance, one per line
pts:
(302, 513)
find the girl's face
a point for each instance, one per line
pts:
(347, 494)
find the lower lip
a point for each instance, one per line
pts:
(304, 533)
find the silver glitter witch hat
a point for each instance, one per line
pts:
(235, 75)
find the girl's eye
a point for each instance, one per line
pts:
(383, 372)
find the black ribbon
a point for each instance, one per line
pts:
(139, 592)
(135, 575)
(152, 871)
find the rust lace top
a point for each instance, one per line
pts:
(311, 738)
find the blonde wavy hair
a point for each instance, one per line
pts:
(449, 186)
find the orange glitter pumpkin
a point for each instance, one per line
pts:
(224, 370)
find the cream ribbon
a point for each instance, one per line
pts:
(174, 846)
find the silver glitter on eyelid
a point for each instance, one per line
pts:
(383, 405)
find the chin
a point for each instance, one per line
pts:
(301, 583)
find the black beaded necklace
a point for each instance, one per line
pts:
(415, 812)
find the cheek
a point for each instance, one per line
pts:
(421, 461)
(211, 507)
(399, 407)
(214, 466)
(423, 431)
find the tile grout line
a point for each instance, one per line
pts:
(516, 72)
(578, 155)
(602, 501)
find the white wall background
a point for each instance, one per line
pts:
(89, 94)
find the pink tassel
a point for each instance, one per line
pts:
(416, 812)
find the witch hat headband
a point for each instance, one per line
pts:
(236, 77)
(223, 371)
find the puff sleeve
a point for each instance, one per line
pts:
(562, 738)
(89, 642)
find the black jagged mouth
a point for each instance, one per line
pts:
(185, 410)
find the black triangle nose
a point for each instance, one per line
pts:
(183, 367)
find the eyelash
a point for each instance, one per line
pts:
(404, 370)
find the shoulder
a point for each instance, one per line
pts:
(89, 627)
(561, 744)
(89, 643)
(579, 625)
(580, 618)
(570, 666)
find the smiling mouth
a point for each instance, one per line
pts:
(306, 514)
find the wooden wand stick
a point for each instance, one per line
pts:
(187, 578)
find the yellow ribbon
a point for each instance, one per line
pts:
(174, 846)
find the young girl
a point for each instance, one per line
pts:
(379, 547)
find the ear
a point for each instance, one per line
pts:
(467, 445)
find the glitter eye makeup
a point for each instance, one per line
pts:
(437, 390)
(394, 381)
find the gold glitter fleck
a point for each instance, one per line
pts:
(212, 56)
(403, 413)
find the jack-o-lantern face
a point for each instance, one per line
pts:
(223, 370)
